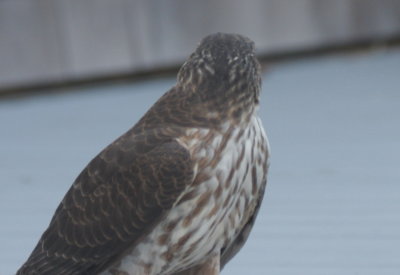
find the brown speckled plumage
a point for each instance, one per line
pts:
(141, 205)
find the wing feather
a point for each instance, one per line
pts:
(115, 201)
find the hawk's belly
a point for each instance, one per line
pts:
(230, 170)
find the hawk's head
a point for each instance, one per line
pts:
(224, 74)
(219, 82)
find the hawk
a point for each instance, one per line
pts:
(179, 192)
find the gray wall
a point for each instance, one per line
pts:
(56, 40)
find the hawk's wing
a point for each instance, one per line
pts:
(116, 200)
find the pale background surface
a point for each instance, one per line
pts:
(333, 200)
(47, 41)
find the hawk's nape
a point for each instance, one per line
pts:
(180, 191)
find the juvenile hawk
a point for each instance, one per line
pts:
(179, 192)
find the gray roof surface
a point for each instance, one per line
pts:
(332, 204)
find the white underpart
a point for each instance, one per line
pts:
(149, 252)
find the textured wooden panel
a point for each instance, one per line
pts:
(96, 36)
(44, 40)
(31, 47)
(140, 16)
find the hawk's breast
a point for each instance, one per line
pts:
(230, 169)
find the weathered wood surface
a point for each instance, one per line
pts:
(53, 40)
